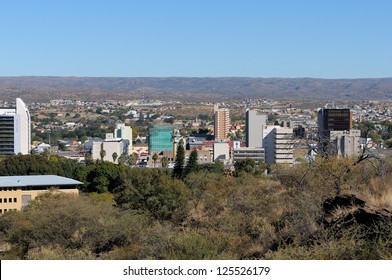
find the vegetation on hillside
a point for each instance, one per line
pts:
(326, 209)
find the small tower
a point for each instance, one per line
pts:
(176, 137)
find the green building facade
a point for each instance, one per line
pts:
(159, 138)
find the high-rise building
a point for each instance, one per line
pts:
(336, 135)
(160, 138)
(221, 123)
(15, 129)
(124, 132)
(333, 119)
(255, 121)
(278, 144)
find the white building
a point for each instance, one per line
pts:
(110, 145)
(221, 151)
(278, 144)
(15, 129)
(125, 132)
(255, 121)
(256, 154)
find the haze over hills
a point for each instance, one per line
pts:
(195, 89)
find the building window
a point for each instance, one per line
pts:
(1, 200)
(15, 199)
(5, 200)
(5, 210)
(1, 211)
(9, 200)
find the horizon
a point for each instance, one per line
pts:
(196, 77)
(265, 39)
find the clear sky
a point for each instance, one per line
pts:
(196, 38)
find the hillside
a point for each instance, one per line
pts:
(86, 88)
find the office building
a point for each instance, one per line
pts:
(110, 145)
(333, 119)
(257, 154)
(346, 143)
(221, 151)
(160, 138)
(17, 191)
(278, 144)
(221, 123)
(124, 132)
(283, 143)
(336, 136)
(255, 121)
(15, 129)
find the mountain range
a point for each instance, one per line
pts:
(41, 89)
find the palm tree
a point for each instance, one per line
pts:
(102, 153)
(114, 156)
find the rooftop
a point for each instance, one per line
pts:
(36, 180)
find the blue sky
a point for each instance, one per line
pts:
(196, 38)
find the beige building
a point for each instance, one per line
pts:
(346, 143)
(110, 145)
(17, 191)
(203, 156)
(221, 123)
(221, 151)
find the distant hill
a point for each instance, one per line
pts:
(214, 89)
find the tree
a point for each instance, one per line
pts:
(88, 159)
(178, 171)
(155, 158)
(114, 156)
(192, 164)
(102, 154)
(165, 162)
(246, 165)
(122, 159)
(131, 159)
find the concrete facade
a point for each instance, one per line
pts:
(221, 123)
(256, 154)
(15, 129)
(221, 151)
(255, 121)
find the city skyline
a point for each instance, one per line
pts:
(334, 39)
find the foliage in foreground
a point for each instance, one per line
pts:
(207, 215)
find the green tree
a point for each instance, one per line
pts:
(155, 158)
(131, 159)
(178, 171)
(103, 177)
(192, 165)
(152, 191)
(164, 162)
(122, 159)
(244, 166)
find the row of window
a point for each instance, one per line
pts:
(5, 210)
(4, 200)
(8, 189)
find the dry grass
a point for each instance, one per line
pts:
(379, 192)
